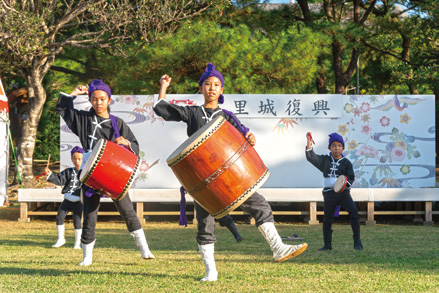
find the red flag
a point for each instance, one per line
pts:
(3, 99)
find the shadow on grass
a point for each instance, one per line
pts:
(81, 270)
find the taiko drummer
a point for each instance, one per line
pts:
(69, 180)
(90, 127)
(335, 167)
(211, 85)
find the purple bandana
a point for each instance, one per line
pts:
(211, 71)
(98, 84)
(77, 149)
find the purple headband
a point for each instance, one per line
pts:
(98, 84)
(211, 71)
(335, 137)
(76, 149)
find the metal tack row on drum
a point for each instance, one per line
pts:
(218, 167)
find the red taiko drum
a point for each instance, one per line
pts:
(218, 167)
(340, 184)
(110, 169)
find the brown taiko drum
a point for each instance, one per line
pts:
(218, 167)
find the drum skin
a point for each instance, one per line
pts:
(340, 184)
(218, 167)
(111, 171)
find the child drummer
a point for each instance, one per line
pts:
(332, 166)
(69, 180)
(90, 126)
(211, 85)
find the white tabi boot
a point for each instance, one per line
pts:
(61, 239)
(207, 252)
(87, 252)
(139, 236)
(78, 233)
(281, 251)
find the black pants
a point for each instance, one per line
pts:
(255, 205)
(333, 199)
(91, 207)
(67, 206)
(225, 221)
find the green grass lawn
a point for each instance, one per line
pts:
(394, 259)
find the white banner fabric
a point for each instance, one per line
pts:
(390, 139)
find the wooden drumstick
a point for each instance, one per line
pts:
(47, 166)
(48, 161)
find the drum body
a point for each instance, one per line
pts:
(110, 169)
(340, 184)
(218, 167)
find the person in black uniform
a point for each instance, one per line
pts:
(332, 166)
(211, 85)
(90, 126)
(69, 180)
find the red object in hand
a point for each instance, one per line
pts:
(45, 173)
(310, 137)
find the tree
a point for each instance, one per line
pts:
(251, 62)
(343, 21)
(33, 33)
(407, 47)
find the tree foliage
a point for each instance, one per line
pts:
(251, 62)
(406, 47)
(33, 33)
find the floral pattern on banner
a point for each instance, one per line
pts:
(145, 110)
(144, 167)
(379, 142)
(284, 124)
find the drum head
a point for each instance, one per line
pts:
(340, 184)
(195, 140)
(91, 159)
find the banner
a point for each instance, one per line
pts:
(390, 139)
(4, 144)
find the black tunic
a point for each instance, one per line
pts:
(85, 125)
(193, 116)
(68, 179)
(331, 167)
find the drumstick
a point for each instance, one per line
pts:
(47, 166)
(48, 161)
(310, 137)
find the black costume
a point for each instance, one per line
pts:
(72, 195)
(195, 117)
(331, 169)
(90, 127)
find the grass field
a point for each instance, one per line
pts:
(395, 259)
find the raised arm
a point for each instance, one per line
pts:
(165, 81)
(66, 110)
(165, 110)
